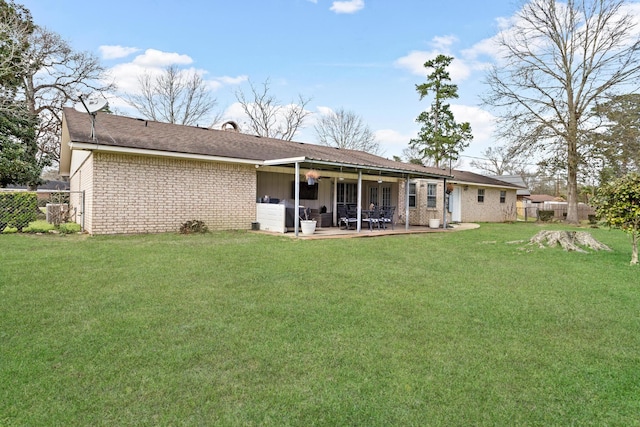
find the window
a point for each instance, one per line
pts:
(412, 195)
(431, 195)
(386, 196)
(373, 195)
(347, 193)
(480, 195)
(503, 196)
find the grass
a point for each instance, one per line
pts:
(237, 328)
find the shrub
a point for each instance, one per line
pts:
(17, 209)
(38, 227)
(193, 226)
(69, 227)
(545, 216)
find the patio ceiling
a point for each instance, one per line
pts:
(392, 170)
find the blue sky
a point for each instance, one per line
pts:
(362, 55)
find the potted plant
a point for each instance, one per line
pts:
(307, 226)
(434, 221)
(311, 176)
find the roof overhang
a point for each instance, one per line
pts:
(157, 153)
(345, 167)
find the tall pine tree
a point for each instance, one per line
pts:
(441, 138)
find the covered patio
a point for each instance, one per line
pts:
(374, 180)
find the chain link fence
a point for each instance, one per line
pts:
(19, 208)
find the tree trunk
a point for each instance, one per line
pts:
(572, 162)
(634, 251)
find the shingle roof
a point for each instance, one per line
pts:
(126, 132)
(474, 178)
(515, 180)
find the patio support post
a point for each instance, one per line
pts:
(335, 202)
(406, 204)
(359, 208)
(296, 209)
(444, 205)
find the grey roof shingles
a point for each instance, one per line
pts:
(119, 131)
(127, 132)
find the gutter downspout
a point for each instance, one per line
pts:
(406, 205)
(359, 215)
(444, 206)
(296, 209)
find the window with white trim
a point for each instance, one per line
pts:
(432, 198)
(503, 196)
(480, 195)
(412, 195)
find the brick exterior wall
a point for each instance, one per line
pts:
(139, 194)
(420, 215)
(491, 210)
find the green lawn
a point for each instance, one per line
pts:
(242, 329)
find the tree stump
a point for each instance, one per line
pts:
(568, 240)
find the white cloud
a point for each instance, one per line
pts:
(392, 142)
(156, 58)
(232, 80)
(443, 43)
(116, 52)
(350, 6)
(459, 70)
(482, 126)
(324, 111)
(152, 62)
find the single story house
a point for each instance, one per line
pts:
(139, 176)
(131, 175)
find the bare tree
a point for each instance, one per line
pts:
(268, 117)
(500, 160)
(16, 26)
(345, 129)
(54, 74)
(559, 60)
(174, 96)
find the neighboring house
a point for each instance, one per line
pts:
(139, 176)
(44, 190)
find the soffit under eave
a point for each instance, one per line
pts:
(479, 184)
(344, 167)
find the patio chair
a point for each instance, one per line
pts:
(373, 218)
(346, 217)
(386, 216)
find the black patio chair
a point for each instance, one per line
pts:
(373, 218)
(386, 216)
(346, 217)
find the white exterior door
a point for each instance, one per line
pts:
(456, 205)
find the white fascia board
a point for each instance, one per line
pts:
(275, 162)
(146, 152)
(416, 174)
(477, 184)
